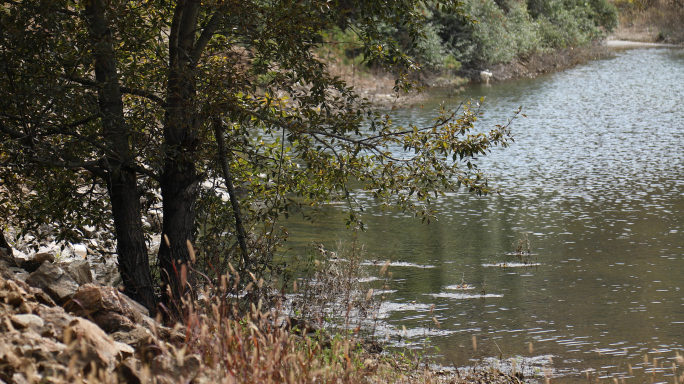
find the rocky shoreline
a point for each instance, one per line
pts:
(59, 326)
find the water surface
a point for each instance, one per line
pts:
(595, 180)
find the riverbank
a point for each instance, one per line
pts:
(657, 22)
(537, 64)
(377, 86)
(61, 326)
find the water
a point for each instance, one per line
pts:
(595, 180)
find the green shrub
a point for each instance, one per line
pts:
(506, 29)
(525, 32)
(429, 49)
(451, 63)
(605, 14)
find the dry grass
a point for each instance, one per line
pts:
(324, 344)
(284, 341)
(333, 296)
(264, 346)
(223, 337)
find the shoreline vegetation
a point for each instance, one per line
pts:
(642, 23)
(377, 86)
(217, 342)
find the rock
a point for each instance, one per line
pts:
(79, 250)
(91, 345)
(136, 307)
(107, 271)
(370, 365)
(7, 263)
(19, 378)
(54, 281)
(12, 292)
(6, 273)
(42, 257)
(14, 298)
(17, 293)
(21, 321)
(42, 297)
(139, 337)
(134, 336)
(46, 344)
(29, 346)
(167, 370)
(3, 243)
(17, 286)
(31, 265)
(6, 260)
(55, 319)
(165, 333)
(22, 275)
(129, 372)
(106, 306)
(299, 326)
(111, 321)
(27, 307)
(371, 346)
(79, 270)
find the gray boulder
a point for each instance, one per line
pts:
(79, 270)
(58, 284)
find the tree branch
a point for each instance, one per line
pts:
(65, 164)
(228, 179)
(142, 93)
(127, 90)
(17, 135)
(173, 34)
(204, 38)
(144, 171)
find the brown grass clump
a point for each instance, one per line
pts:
(263, 346)
(228, 335)
(333, 297)
(236, 338)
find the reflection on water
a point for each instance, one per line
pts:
(596, 181)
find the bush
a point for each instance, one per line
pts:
(507, 29)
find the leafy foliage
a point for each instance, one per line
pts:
(130, 99)
(508, 29)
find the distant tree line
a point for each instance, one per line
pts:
(496, 31)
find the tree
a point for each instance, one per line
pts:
(194, 102)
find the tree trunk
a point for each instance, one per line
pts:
(121, 182)
(179, 180)
(179, 187)
(131, 248)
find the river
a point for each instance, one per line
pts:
(595, 181)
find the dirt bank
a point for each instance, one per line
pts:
(377, 86)
(637, 32)
(659, 23)
(540, 63)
